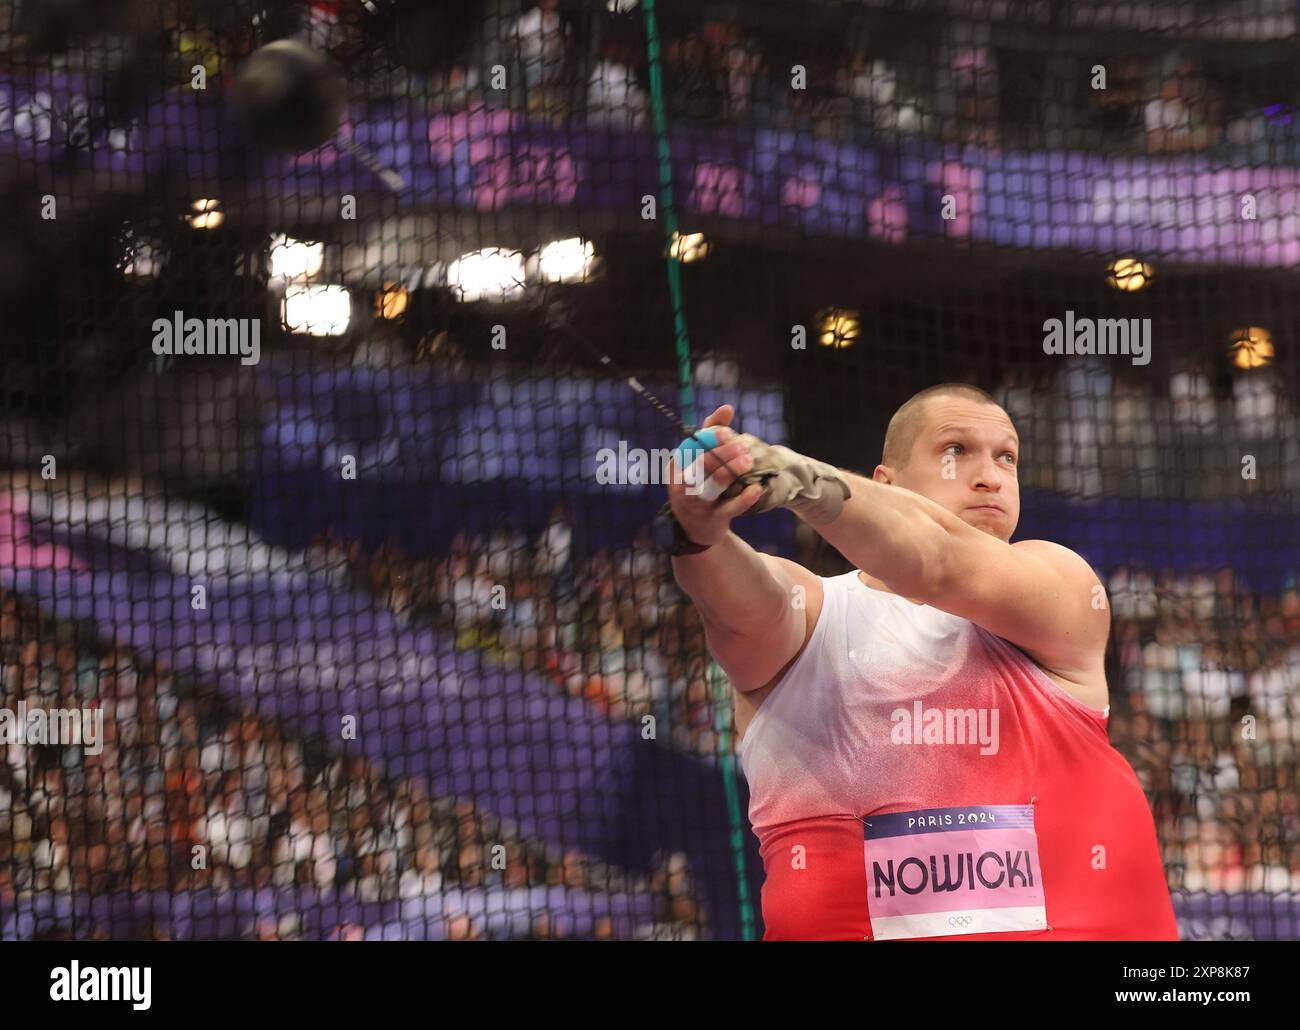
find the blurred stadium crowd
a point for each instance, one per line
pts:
(1190, 657)
(942, 77)
(181, 771)
(937, 74)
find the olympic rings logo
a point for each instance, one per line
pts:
(960, 920)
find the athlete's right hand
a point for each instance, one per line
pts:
(704, 515)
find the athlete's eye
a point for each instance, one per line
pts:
(1009, 454)
(956, 445)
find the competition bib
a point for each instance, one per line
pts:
(941, 872)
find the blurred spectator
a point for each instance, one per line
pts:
(541, 41)
(1183, 115)
(872, 85)
(975, 83)
(1117, 112)
(735, 63)
(539, 35)
(615, 99)
(693, 88)
(1082, 406)
(1256, 404)
(554, 547)
(1193, 400)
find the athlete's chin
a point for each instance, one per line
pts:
(993, 521)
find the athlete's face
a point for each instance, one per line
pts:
(964, 457)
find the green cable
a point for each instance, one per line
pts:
(733, 801)
(717, 680)
(670, 215)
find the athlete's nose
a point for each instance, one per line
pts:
(987, 478)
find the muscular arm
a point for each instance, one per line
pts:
(1040, 596)
(755, 618)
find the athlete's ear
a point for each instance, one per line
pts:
(883, 474)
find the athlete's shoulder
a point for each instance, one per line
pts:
(1064, 561)
(800, 574)
(1073, 653)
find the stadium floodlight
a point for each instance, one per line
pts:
(207, 214)
(688, 247)
(837, 327)
(391, 300)
(292, 259)
(1129, 274)
(493, 273)
(1252, 347)
(566, 261)
(316, 310)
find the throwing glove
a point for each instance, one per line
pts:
(812, 489)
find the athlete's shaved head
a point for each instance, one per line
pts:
(910, 418)
(954, 444)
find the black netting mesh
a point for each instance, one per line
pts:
(320, 497)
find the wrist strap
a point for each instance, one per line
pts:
(672, 538)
